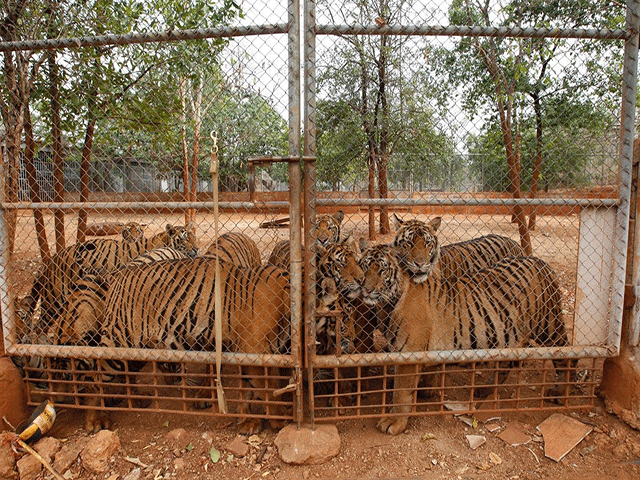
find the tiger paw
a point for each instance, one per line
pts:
(95, 421)
(250, 426)
(392, 425)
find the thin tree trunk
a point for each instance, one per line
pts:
(537, 165)
(56, 134)
(29, 154)
(84, 177)
(195, 155)
(383, 157)
(185, 155)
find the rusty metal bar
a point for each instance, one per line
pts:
(448, 201)
(141, 206)
(138, 38)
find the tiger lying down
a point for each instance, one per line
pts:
(509, 305)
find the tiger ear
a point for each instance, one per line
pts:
(352, 244)
(339, 216)
(363, 243)
(435, 223)
(397, 221)
(169, 228)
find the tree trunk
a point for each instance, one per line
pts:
(84, 177)
(185, 154)
(56, 134)
(383, 157)
(29, 154)
(537, 165)
(195, 155)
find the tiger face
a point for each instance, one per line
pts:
(182, 238)
(382, 275)
(327, 227)
(338, 261)
(132, 232)
(418, 246)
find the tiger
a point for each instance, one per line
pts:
(337, 286)
(509, 305)
(170, 305)
(236, 248)
(326, 230)
(157, 255)
(52, 285)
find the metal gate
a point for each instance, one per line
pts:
(498, 121)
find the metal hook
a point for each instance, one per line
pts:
(214, 138)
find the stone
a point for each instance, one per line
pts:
(177, 438)
(7, 459)
(29, 467)
(47, 447)
(68, 454)
(307, 446)
(133, 474)
(13, 396)
(238, 447)
(99, 450)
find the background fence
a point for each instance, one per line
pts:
(500, 118)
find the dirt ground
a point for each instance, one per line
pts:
(433, 447)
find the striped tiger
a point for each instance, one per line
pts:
(510, 305)
(170, 305)
(52, 285)
(236, 248)
(326, 230)
(157, 255)
(460, 258)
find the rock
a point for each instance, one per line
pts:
(29, 467)
(177, 438)
(47, 447)
(238, 447)
(68, 454)
(99, 450)
(306, 446)
(7, 459)
(13, 396)
(179, 464)
(133, 474)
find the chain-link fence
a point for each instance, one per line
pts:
(167, 246)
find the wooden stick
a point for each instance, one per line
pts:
(44, 462)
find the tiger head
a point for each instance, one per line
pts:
(338, 261)
(327, 227)
(182, 238)
(132, 232)
(418, 246)
(382, 275)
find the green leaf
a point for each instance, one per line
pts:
(166, 424)
(189, 447)
(214, 454)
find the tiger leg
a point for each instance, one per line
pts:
(405, 384)
(247, 424)
(502, 374)
(566, 370)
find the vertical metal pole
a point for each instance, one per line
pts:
(309, 187)
(295, 191)
(627, 129)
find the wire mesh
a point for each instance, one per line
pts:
(503, 120)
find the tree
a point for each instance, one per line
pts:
(371, 88)
(500, 73)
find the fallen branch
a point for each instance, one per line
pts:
(44, 462)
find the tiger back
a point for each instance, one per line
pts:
(54, 280)
(236, 248)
